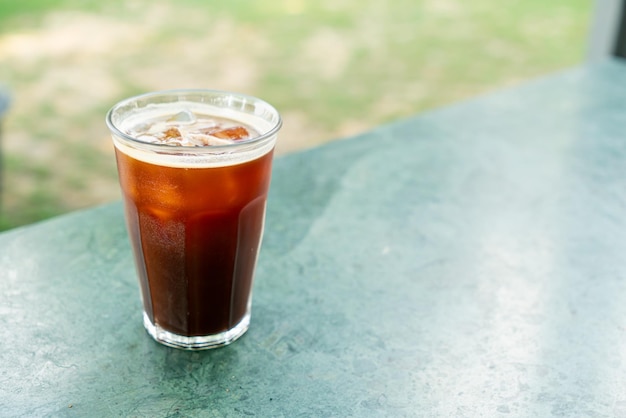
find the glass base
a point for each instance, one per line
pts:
(199, 342)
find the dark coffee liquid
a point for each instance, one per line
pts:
(195, 234)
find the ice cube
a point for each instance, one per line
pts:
(172, 133)
(148, 138)
(235, 133)
(183, 117)
(194, 140)
(203, 140)
(171, 136)
(157, 129)
(138, 129)
(205, 126)
(213, 140)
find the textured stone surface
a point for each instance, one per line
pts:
(467, 262)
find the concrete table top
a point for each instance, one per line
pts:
(469, 261)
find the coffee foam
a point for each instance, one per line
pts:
(193, 157)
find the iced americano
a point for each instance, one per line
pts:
(194, 169)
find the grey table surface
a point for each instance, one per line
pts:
(469, 261)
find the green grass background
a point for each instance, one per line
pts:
(332, 67)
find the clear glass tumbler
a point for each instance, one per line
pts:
(195, 191)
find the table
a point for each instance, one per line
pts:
(466, 262)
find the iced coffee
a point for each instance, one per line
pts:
(194, 168)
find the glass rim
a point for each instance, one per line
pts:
(181, 93)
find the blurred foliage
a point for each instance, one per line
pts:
(333, 68)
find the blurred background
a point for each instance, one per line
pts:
(334, 68)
